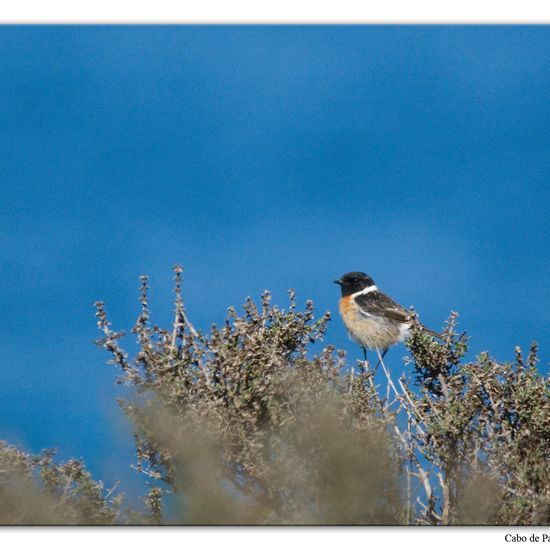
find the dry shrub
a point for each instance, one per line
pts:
(483, 427)
(245, 424)
(36, 490)
(248, 428)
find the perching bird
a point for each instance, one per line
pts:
(373, 319)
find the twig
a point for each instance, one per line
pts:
(390, 381)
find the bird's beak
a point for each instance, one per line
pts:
(338, 282)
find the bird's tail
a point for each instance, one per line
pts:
(432, 333)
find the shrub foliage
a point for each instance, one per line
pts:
(37, 490)
(255, 422)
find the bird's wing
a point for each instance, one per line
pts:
(381, 305)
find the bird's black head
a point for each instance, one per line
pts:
(353, 282)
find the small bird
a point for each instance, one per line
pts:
(373, 319)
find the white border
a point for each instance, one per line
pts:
(270, 538)
(282, 11)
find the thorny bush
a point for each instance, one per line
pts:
(247, 426)
(36, 490)
(255, 423)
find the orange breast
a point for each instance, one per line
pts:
(346, 306)
(369, 332)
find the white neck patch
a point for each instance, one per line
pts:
(372, 288)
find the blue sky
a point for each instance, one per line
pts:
(258, 157)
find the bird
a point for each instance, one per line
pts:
(373, 319)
